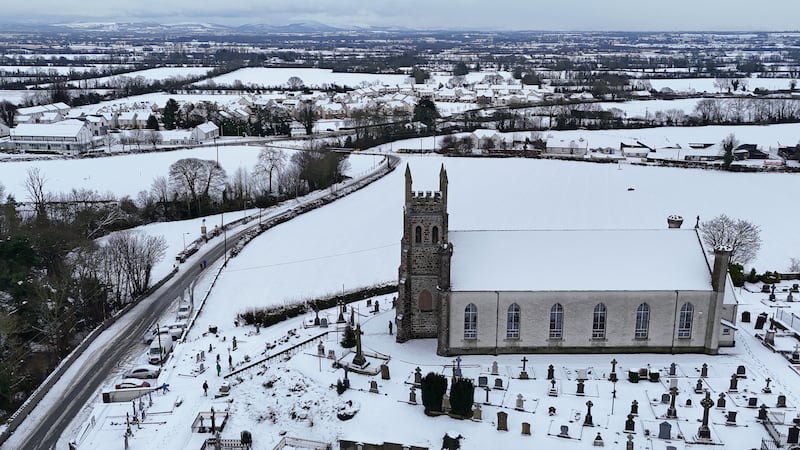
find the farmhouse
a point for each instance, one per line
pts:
(69, 137)
(553, 291)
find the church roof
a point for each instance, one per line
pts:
(578, 260)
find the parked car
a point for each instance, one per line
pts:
(176, 329)
(131, 383)
(150, 334)
(143, 372)
(184, 310)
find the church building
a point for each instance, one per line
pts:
(557, 291)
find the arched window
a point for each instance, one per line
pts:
(599, 322)
(417, 234)
(685, 321)
(435, 235)
(557, 321)
(512, 322)
(425, 301)
(471, 322)
(642, 321)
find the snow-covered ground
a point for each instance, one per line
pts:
(355, 242)
(707, 84)
(159, 73)
(314, 78)
(646, 108)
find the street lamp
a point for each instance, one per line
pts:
(184, 241)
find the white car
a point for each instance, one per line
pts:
(184, 311)
(150, 334)
(143, 372)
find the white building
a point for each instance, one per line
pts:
(68, 137)
(205, 131)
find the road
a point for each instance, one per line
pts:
(56, 419)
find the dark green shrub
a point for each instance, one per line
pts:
(340, 387)
(737, 274)
(771, 277)
(752, 277)
(462, 395)
(349, 338)
(434, 386)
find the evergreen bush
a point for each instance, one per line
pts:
(349, 338)
(434, 386)
(462, 395)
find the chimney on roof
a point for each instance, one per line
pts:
(722, 257)
(674, 221)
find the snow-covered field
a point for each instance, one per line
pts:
(355, 241)
(646, 108)
(255, 77)
(707, 84)
(160, 73)
(61, 70)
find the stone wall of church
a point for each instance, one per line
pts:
(578, 308)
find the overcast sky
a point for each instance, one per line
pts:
(635, 15)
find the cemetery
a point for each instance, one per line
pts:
(296, 382)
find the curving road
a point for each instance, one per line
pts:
(54, 421)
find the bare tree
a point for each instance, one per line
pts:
(197, 180)
(306, 114)
(8, 111)
(35, 187)
(154, 137)
(295, 83)
(271, 162)
(161, 192)
(136, 254)
(742, 236)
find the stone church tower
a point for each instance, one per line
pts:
(424, 273)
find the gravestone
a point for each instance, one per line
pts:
(369, 302)
(520, 404)
(587, 420)
(761, 319)
(487, 389)
(635, 408)
(373, 386)
(745, 317)
(524, 374)
(673, 383)
(752, 402)
(564, 431)
(629, 444)
(704, 370)
(598, 441)
(781, 401)
(551, 411)
(688, 402)
(630, 424)
(457, 368)
(417, 376)
(672, 369)
(483, 381)
(526, 428)
(321, 350)
(762, 412)
(794, 435)
(769, 338)
(323, 322)
(446, 402)
(721, 401)
(698, 388)
(704, 433)
(580, 388)
(730, 419)
(495, 369)
(613, 376)
(331, 354)
(767, 389)
(384, 372)
(672, 412)
(359, 359)
(477, 412)
(551, 372)
(502, 421)
(665, 398)
(665, 431)
(734, 384)
(553, 392)
(412, 395)
(498, 383)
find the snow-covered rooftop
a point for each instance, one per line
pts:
(578, 260)
(66, 128)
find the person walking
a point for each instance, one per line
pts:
(390, 327)
(219, 369)
(205, 388)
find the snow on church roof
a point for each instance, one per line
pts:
(578, 260)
